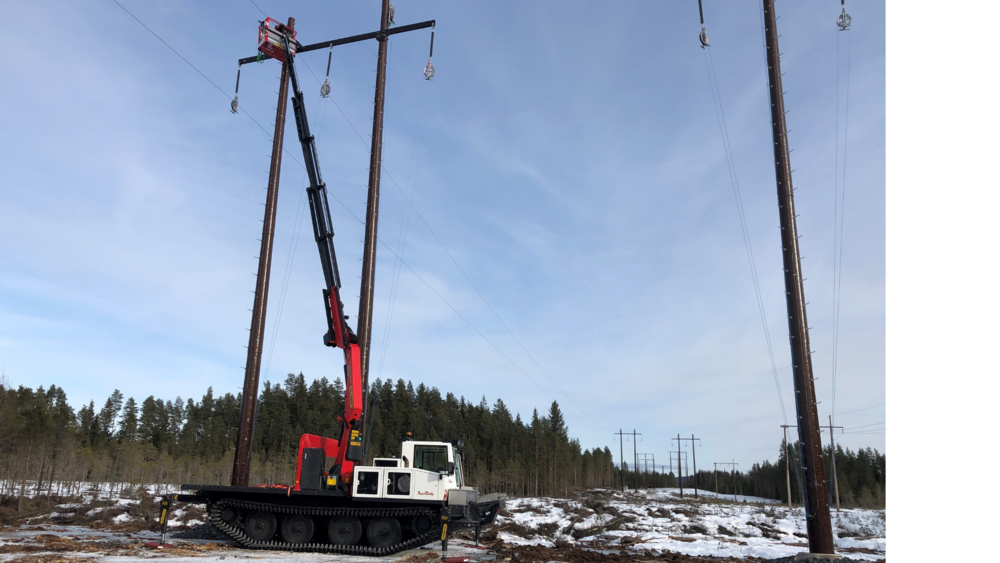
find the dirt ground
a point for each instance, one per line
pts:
(533, 553)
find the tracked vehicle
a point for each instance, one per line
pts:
(336, 505)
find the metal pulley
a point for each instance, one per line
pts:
(703, 37)
(324, 90)
(429, 69)
(844, 20)
(235, 104)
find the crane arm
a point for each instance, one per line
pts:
(339, 334)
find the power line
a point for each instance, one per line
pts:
(864, 425)
(228, 97)
(258, 8)
(734, 183)
(840, 181)
(455, 262)
(859, 410)
(488, 341)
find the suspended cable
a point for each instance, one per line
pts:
(389, 249)
(194, 67)
(293, 246)
(859, 410)
(840, 181)
(865, 425)
(734, 183)
(455, 262)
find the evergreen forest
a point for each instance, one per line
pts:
(50, 448)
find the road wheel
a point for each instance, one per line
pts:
(297, 528)
(261, 525)
(344, 530)
(421, 524)
(383, 532)
(228, 514)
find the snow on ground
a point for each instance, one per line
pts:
(87, 491)
(659, 519)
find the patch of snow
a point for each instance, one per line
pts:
(659, 520)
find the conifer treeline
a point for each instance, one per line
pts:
(45, 442)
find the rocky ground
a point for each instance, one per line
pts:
(590, 527)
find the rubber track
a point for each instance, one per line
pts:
(237, 534)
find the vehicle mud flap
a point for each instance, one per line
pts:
(487, 512)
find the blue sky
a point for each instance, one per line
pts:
(566, 154)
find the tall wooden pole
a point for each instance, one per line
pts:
(817, 508)
(251, 379)
(371, 214)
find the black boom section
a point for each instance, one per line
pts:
(319, 209)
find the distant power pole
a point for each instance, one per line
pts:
(680, 468)
(645, 469)
(833, 461)
(732, 464)
(716, 471)
(680, 481)
(694, 460)
(621, 448)
(788, 473)
(635, 454)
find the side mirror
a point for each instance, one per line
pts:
(450, 470)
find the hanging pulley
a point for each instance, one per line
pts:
(235, 104)
(844, 20)
(429, 69)
(703, 37)
(324, 90)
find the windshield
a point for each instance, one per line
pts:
(430, 458)
(458, 471)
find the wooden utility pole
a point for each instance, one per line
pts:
(788, 473)
(371, 214)
(645, 467)
(694, 460)
(732, 464)
(621, 448)
(251, 378)
(817, 508)
(636, 456)
(833, 462)
(680, 468)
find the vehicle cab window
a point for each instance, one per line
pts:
(430, 458)
(458, 471)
